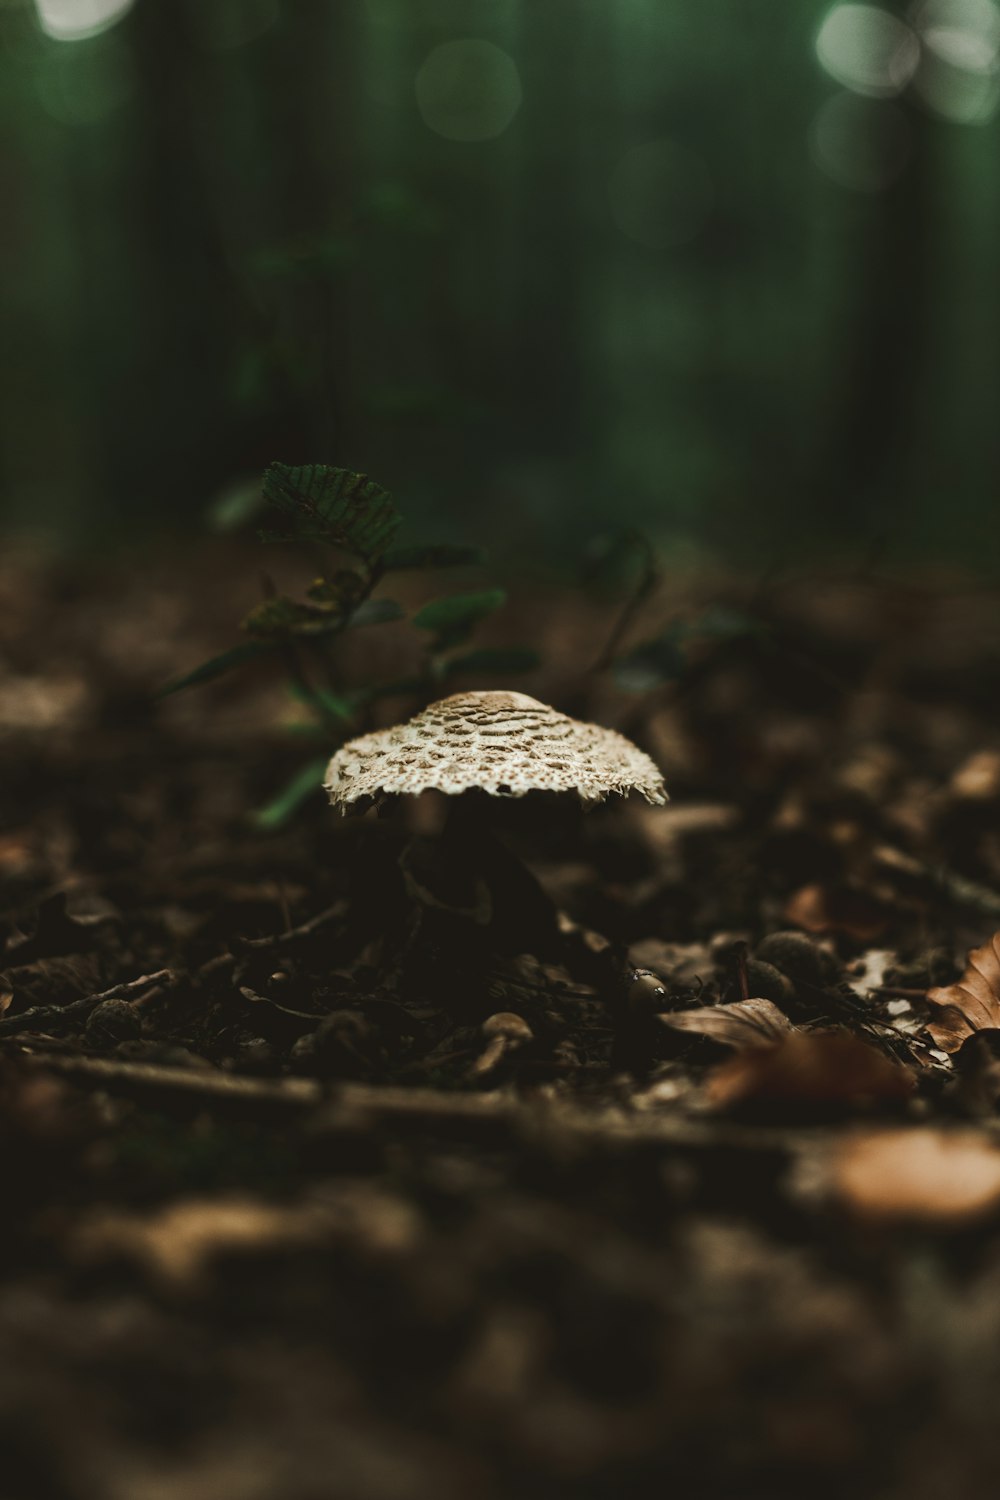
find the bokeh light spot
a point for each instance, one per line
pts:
(868, 50)
(468, 90)
(973, 18)
(73, 20)
(959, 75)
(961, 95)
(863, 144)
(660, 194)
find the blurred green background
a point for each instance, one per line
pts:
(728, 271)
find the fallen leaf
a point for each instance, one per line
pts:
(973, 1003)
(747, 1023)
(918, 1176)
(820, 909)
(978, 778)
(177, 1245)
(809, 1071)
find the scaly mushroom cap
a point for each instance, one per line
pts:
(505, 744)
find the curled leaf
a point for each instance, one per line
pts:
(970, 1005)
(747, 1023)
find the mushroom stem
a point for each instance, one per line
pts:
(524, 918)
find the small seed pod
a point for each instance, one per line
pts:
(646, 991)
(765, 982)
(111, 1022)
(798, 957)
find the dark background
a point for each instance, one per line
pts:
(726, 271)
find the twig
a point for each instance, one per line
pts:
(970, 894)
(153, 1079)
(648, 583)
(41, 1016)
(357, 1107)
(305, 929)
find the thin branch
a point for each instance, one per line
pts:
(43, 1016)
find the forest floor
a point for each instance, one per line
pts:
(283, 1223)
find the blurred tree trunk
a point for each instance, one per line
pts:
(871, 451)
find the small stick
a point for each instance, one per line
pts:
(77, 1010)
(305, 929)
(649, 580)
(286, 911)
(472, 1116)
(157, 1079)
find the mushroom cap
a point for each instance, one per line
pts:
(505, 744)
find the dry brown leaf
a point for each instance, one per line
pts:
(178, 1244)
(820, 909)
(978, 778)
(747, 1023)
(919, 1176)
(973, 1003)
(815, 1071)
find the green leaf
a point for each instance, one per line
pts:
(376, 612)
(333, 705)
(620, 563)
(235, 657)
(442, 555)
(282, 618)
(666, 658)
(723, 622)
(291, 797)
(335, 506)
(653, 663)
(506, 660)
(344, 588)
(452, 618)
(278, 619)
(234, 505)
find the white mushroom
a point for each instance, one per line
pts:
(504, 744)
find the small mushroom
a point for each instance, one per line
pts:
(504, 1033)
(504, 744)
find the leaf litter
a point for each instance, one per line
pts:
(578, 1256)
